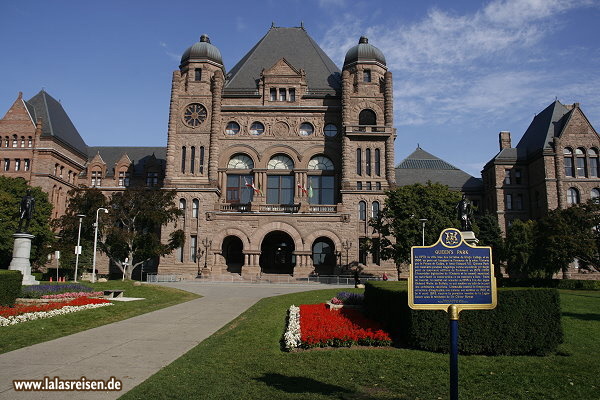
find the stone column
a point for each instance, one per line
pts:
(20, 259)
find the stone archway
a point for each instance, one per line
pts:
(232, 251)
(277, 253)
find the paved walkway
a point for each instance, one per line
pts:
(134, 349)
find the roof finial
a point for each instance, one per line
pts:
(363, 39)
(302, 24)
(273, 24)
(205, 38)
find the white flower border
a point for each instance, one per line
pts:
(32, 316)
(291, 336)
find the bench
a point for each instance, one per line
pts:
(112, 294)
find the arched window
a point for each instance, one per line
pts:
(239, 185)
(367, 117)
(568, 161)
(193, 159)
(195, 206)
(595, 195)
(572, 196)
(580, 162)
(377, 162)
(358, 162)
(593, 163)
(240, 161)
(321, 181)
(6, 141)
(182, 207)
(362, 210)
(323, 252)
(368, 162)
(29, 142)
(96, 177)
(280, 162)
(14, 141)
(201, 169)
(183, 156)
(280, 187)
(22, 141)
(375, 207)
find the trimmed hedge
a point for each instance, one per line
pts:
(525, 321)
(570, 284)
(10, 286)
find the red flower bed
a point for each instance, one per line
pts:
(23, 308)
(320, 327)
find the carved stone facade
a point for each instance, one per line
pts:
(265, 159)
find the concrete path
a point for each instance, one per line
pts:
(134, 349)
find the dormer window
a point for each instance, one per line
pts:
(367, 75)
(292, 94)
(273, 94)
(96, 178)
(282, 95)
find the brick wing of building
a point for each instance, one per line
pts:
(554, 165)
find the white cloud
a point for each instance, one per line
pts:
(173, 56)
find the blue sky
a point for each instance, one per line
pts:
(463, 70)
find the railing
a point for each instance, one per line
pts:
(153, 278)
(322, 208)
(235, 207)
(368, 129)
(343, 280)
(284, 208)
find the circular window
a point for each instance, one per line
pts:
(330, 130)
(194, 114)
(257, 128)
(306, 129)
(232, 128)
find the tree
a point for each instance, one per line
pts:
(490, 234)
(520, 244)
(399, 223)
(84, 202)
(132, 229)
(11, 192)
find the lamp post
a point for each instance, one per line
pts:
(78, 248)
(96, 242)
(346, 245)
(422, 221)
(206, 243)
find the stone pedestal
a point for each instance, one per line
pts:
(20, 258)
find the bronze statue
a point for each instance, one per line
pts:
(26, 211)
(465, 213)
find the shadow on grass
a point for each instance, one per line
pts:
(583, 317)
(300, 384)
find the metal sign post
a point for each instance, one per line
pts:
(452, 276)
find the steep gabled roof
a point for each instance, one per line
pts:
(299, 49)
(544, 127)
(55, 121)
(421, 167)
(138, 155)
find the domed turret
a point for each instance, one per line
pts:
(202, 51)
(364, 52)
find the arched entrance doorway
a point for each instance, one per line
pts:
(233, 253)
(323, 256)
(276, 253)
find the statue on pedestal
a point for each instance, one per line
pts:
(26, 211)
(465, 213)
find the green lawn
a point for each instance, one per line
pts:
(244, 361)
(32, 332)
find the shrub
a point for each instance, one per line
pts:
(571, 284)
(37, 291)
(525, 321)
(10, 286)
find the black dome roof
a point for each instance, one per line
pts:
(364, 51)
(202, 51)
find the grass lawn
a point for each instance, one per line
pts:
(32, 332)
(244, 361)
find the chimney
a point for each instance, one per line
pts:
(505, 142)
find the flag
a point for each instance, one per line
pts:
(304, 191)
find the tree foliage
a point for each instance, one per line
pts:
(490, 234)
(11, 192)
(545, 247)
(133, 225)
(399, 223)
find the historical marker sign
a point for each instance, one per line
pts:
(451, 272)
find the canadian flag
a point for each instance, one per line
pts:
(304, 191)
